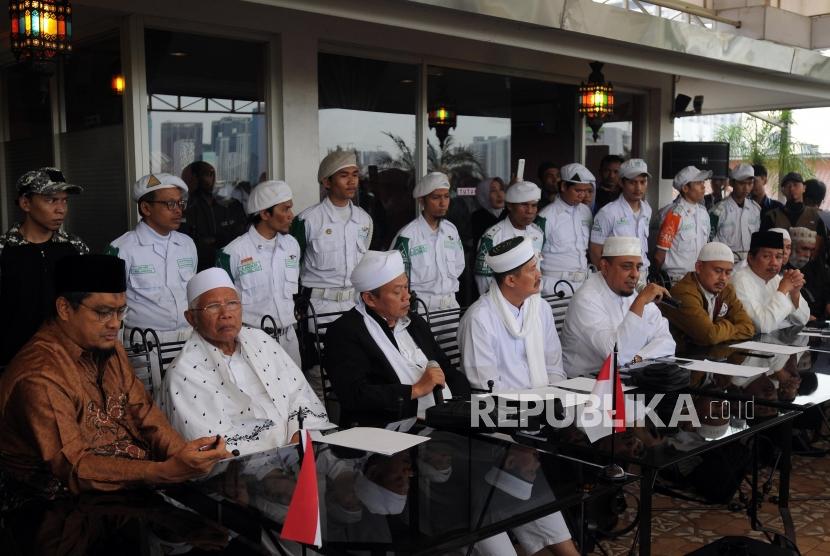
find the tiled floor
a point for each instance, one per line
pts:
(679, 527)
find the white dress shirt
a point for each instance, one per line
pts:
(618, 219)
(567, 231)
(768, 308)
(734, 225)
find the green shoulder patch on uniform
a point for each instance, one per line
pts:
(541, 221)
(111, 250)
(223, 261)
(298, 231)
(402, 245)
(713, 225)
(481, 267)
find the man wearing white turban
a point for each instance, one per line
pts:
(382, 360)
(522, 200)
(606, 311)
(235, 381)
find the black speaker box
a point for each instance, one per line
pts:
(705, 155)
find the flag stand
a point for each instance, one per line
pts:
(612, 471)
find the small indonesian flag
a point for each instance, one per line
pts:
(608, 381)
(302, 522)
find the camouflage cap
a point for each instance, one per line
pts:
(45, 181)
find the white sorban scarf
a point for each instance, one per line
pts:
(408, 372)
(531, 332)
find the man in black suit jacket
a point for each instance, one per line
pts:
(377, 354)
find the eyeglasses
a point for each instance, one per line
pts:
(104, 315)
(214, 309)
(171, 205)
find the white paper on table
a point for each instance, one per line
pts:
(635, 413)
(370, 439)
(728, 369)
(568, 399)
(771, 348)
(815, 334)
(583, 384)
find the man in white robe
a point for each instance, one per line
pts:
(232, 381)
(607, 310)
(508, 336)
(773, 301)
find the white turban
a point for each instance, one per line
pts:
(267, 194)
(715, 251)
(620, 246)
(429, 183)
(509, 254)
(783, 232)
(208, 279)
(377, 268)
(523, 192)
(334, 162)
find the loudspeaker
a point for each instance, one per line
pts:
(705, 155)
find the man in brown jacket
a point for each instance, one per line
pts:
(73, 415)
(710, 312)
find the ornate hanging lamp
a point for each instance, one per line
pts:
(442, 118)
(596, 99)
(40, 29)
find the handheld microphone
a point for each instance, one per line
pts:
(670, 301)
(438, 391)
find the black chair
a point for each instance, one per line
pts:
(559, 302)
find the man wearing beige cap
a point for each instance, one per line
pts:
(816, 288)
(684, 225)
(264, 263)
(232, 380)
(430, 246)
(607, 311)
(383, 360)
(737, 217)
(627, 216)
(709, 311)
(567, 231)
(522, 201)
(159, 259)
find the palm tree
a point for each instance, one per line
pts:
(456, 162)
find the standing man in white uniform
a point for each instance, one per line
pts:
(606, 310)
(159, 259)
(737, 217)
(264, 263)
(431, 249)
(509, 336)
(522, 220)
(684, 225)
(627, 216)
(567, 230)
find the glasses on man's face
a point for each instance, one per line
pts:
(213, 309)
(172, 205)
(105, 315)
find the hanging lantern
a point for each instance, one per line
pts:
(40, 29)
(118, 84)
(442, 119)
(596, 99)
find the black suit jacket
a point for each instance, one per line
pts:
(367, 387)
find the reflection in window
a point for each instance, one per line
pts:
(206, 102)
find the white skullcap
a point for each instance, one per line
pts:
(154, 182)
(377, 268)
(267, 194)
(634, 167)
(429, 183)
(712, 432)
(510, 254)
(208, 279)
(334, 162)
(621, 246)
(690, 174)
(716, 251)
(783, 232)
(742, 172)
(801, 234)
(577, 173)
(523, 192)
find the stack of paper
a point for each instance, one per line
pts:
(744, 371)
(369, 439)
(771, 348)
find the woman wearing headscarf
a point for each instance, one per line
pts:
(490, 197)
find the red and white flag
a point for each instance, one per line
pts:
(302, 522)
(598, 424)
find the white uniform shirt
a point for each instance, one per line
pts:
(685, 242)
(768, 308)
(597, 317)
(617, 219)
(489, 352)
(267, 274)
(734, 225)
(158, 268)
(567, 231)
(331, 247)
(495, 234)
(434, 259)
